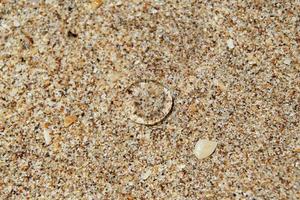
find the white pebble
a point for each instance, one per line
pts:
(230, 44)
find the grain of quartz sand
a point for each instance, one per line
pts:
(233, 68)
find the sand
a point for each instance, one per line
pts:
(232, 67)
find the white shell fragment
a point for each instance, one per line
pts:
(47, 137)
(204, 148)
(146, 174)
(287, 61)
(230, 44)
(147, 102)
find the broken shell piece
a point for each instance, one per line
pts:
(146, 174)
(47, 137)
(69, 120)
(287, 61)
(147, 102)
(46, 125)
(97, 3)
(181, 167)
(230, 44)
(204, 148)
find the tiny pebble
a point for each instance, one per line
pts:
(230, 44)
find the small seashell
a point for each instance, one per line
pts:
(204, 148)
